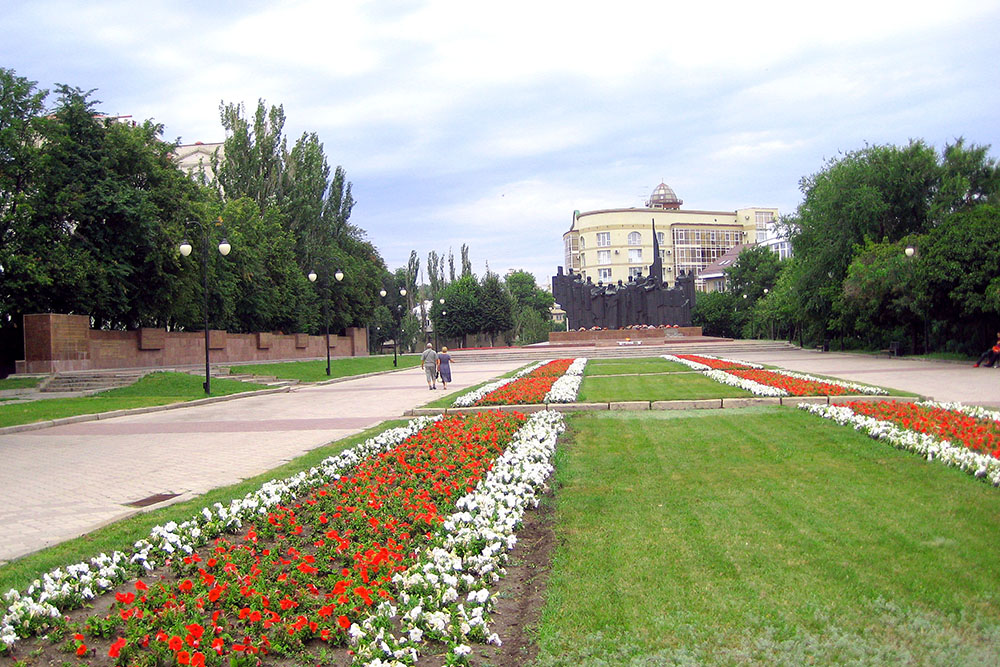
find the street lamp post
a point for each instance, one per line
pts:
(339, 275)
(185, 250)
(398, 316)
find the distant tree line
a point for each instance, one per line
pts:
(458, 305)
(890, 243)
(92, 212)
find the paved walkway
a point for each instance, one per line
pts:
(937, 380)
(60, 482)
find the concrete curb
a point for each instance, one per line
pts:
(687, 404)
(34, 426)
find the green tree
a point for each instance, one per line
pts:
(461, 314)
(99, 230)
(882, 194)
(880, 300)
(497, 306)
(958, 286)
(253, 154)
(531, 307)
(715, 313)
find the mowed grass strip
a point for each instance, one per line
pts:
(153, 389)
(632, 366)
(667, 387)
(315, 370)
(765, 536)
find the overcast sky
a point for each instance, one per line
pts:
(490, 123)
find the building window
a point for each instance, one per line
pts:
(604, 274)
(583, 260)
(660, 238)
(603, 256)
(635, 272)
(764, 217)
(603, 239)
(581, 243)
(634, 255)
(634, 238)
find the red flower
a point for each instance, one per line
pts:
(81, 649)
(117, 647)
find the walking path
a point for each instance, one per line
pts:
(60, 482)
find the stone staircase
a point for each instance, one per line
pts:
(224, 373)
(718, 347)
(90, 382)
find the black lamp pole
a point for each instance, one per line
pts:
(339, 275)
(185, 250)
(397, 316)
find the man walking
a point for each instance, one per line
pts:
(429, 361)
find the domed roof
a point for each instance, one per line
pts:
(663, 197)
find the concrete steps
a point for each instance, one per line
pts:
(89, 382)
(718, 347)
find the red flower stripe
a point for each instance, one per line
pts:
(531, 388)
(715, 364)
(794, 386)
(981, 435)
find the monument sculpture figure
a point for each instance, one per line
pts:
(640, 301)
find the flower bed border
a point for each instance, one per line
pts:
(932, 448)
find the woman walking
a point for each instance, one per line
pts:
(444, 367)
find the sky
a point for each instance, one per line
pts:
(462, 122)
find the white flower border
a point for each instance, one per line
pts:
(928, 446)
(70, 587)
(565, 389)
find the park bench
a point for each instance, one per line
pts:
(893, 349)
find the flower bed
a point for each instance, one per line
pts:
(326, 567)
(704, 362)
(532, 387)
(760, 382)
(950, 433)
(471, 398)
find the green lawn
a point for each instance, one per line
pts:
(152, 389)
(626, 366)
(315, 371)
(19, 382)
(123, 534)
(667, 387)
(764, 536)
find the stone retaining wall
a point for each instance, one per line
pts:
(55, 343)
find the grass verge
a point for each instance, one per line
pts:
(315, 371)
(765, 536)
(122, 534)
(19, 383)
(632, 366)
(672, 387)
(153, 389)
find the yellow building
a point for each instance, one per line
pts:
(613, 244)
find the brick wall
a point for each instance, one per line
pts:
(54, 342)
